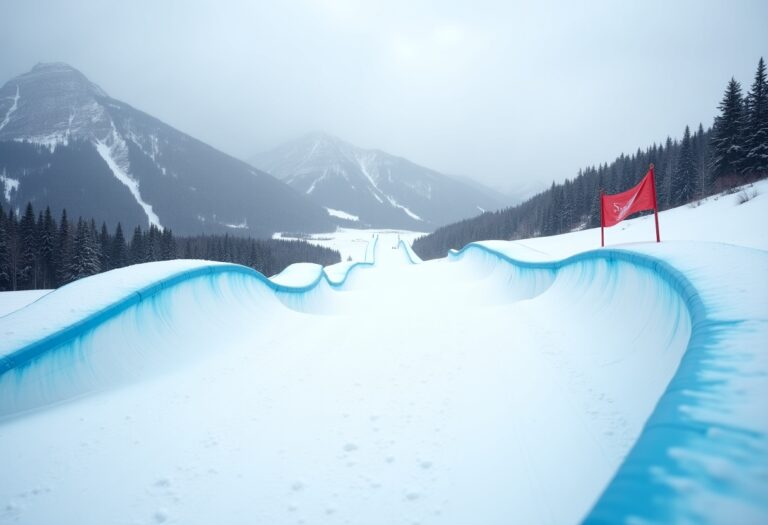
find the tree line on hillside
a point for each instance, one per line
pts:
(733, 152)
(38, 252)
(268, 256)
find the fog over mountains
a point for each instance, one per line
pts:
(65, 143)
(374, 188)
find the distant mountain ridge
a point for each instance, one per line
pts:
(379, 189)
(65, 143)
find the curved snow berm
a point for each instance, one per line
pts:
(60, 346)
(412, 256)
(702, 456)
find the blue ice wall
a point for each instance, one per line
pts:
(694, 461)
(103, 345)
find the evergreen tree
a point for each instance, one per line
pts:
(105, 246)
(168, 245)
(704, 184)
(152, 244)
(756, 126)
(64, 250)
(137, 252)
(118, 251)
(685, 176)
(85, 255)
(27, 270)
(594, 212)
(552, 212)
(728, 137)
(93, 238)
(12, 229)
(568, 202)
(5, 256)
(48, 249)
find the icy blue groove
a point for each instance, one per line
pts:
(665, 271)
(26, 354)
(637, 491)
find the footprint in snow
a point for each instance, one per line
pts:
(161, 516)
(412, 496)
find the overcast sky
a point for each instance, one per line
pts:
(509, 93)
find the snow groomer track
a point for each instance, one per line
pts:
(492, 386)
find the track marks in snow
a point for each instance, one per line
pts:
(597, 411)
(13, 509)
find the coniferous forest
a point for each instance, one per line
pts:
(40, 252)
(732, 152)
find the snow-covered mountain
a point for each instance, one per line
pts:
(372, 187)
(65, 143)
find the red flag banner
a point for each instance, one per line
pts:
(616, 208)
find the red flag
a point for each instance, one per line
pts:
(616, 208)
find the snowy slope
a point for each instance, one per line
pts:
(721, 218)
(352, 243)
(380, 189)
(65, 143)
(496, 385)
(12, 301)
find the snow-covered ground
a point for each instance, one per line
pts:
(12, 301)
(351, 243)
(498, 385)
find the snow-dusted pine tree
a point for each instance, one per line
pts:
(118, 251)
(48, 249)
(85, 253)
(64, 250)
(756, 124)
(137, 252)
(5, 256)
(28, 260)
(728, 136)
(701, 149)
(685, 176)
(105, 243)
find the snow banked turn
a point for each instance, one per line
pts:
(616, 385)
(23, 345)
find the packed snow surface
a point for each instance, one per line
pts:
(12, 301)
(352, 243)
(499, 385)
